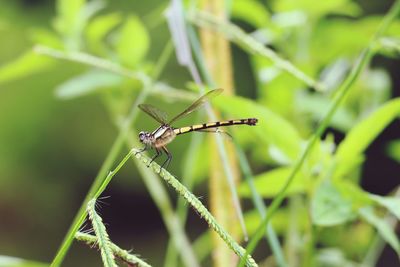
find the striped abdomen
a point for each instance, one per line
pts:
(199, 127)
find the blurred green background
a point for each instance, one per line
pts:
(52, 148)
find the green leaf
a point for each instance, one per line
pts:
(87, 83)
(270, 183)
(317, 104)
(27, 64)
(329, 207)
(382, 226)
(133, 42)
(364, 133)
(393, 150)
(251, 11)
(390, 203)
(7, 261)
(271, 128)
(390, 46)
(280, 221)
(72, 19)
(318, 8)
(45, 37)
(67, 14)
(98, 29)
(333, 257)
(335, 37)
(353, 192)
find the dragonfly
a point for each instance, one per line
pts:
(165, 133)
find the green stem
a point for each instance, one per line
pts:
(94, 61)
(364, 59)
(100, 182)
(378, 243)
(158, 88)
(182, 210)
(270, 233)
(98, 186)
(200, 209)
(251, 45)
(103, 240)
(118, 252)
(262, 210)
(93, 191)
(162, 201)
(220, 144)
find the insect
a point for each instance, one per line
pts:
(164, 134)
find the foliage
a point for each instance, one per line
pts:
(312, 74)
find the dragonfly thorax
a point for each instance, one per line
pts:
(160, 137)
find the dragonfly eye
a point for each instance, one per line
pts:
(142, 136)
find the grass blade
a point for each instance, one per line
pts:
(250, 44)
(118, 252)
(103, 241)
(199, 208)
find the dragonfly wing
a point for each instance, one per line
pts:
(197, 104)
(217, 131)
(154, 112)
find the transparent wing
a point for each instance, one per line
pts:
(154, 112)
(197, 104)
(217, 131)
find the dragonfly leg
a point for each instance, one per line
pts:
(158, 153)
(169, 158)
(141, 150)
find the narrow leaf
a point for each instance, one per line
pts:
(383, 227)
(196, 204)
(8, 261)
(251, 45)
(393, 150)
(329, 207)
(390, 203)
(251, 11)
(271, 128)
(318, 8)
(103, 240)
(25, 65)
(87, 83)
(270, 183)
(122, 254)
(364, 133)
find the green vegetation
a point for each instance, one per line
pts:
(318, 76)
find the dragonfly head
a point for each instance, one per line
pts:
(144, 137)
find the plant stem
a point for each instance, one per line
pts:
(262, 210)
(93, 191)
(102, 179)
(182, 210)
(251, 45)
(103, 239)
(378, 243)
(118, 252)
(200, 209)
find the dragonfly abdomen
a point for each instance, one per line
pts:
(199, 127)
